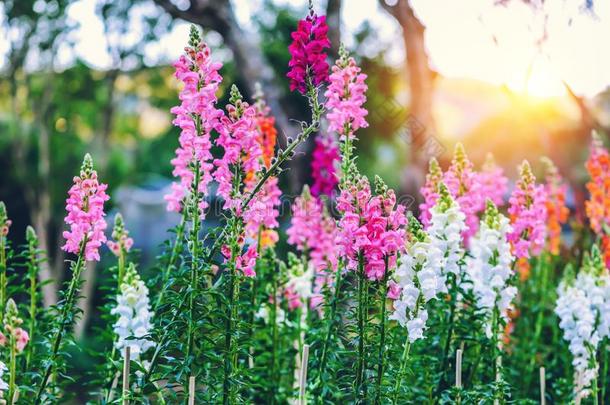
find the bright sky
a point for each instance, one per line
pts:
(468, 38)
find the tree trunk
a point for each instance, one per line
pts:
(420, 125)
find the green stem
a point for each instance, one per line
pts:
(194, 264)
(360, 359)
(12, 371)
(230, 357)
(172, 259)
(330, 323)
(447, 348)
(382, 323)
(3, 296)
(275, 333)
(33, 305)
(604, 376)
(63, 321)
(496, 355)
(401, 372)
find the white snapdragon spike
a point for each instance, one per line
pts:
(582, 307)
(489, 267)
(419, 279)
(264, 313)
(3, 384)
(447, 223)
(577, 320)
(133, 309)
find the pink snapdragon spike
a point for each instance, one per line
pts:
(241, 151)
(528, 215)
(346, 95)
(370, 225)
(308, 64)
(463, 184)
(85, 206)
(492, 182)
(430, 191)
(122, 243)
(262, 213)
(325, 159)
(196, 116)
(246, 262)
(313, 230)
(305, 222)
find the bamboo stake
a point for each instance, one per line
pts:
(126, 364)
(542, 386)
(303, 377)
(191, 390)
(458, 368)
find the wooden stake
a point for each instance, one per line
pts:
(542, 386)
(458, 368)
(303, 376)
(126, 364)
(191, 390)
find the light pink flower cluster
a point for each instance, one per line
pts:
(239, 141)
(430, 191)
(263, 210)
(85, 206)
(324, 163)
(21, 338)
(313, 230)
(345, 97)
(463, 184)
(122, 242)
(527, 214)
(371, 226)
(493, 184)
(246, 262)
(305, 223)
(196, 116)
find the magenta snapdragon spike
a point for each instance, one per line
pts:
(85, 206)
(308, 63)
(305, 222)
(346, 95)
(325, 159)
(493, 184)
(241, 150)
(430, 191)
(528, 214)
(370, 225)
(196, 116)
(463, 184)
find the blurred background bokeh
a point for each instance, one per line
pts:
(518, 78)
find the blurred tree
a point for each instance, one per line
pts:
(421, 84)
(35, 30)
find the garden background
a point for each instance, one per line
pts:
(521, 79)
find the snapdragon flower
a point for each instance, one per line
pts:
(85, 206)
(463, 183)
(324, 162)
(122, 243)
(313, 231)
(447, 225)
(597, 207)
(346, 95)
(3, 384)
(298, 288)
(557, 211)
(417, 280)
(134, 322)
(528, 215)
(242, 153)
(372, 226)
(196, 116)
(489, 267)
(307, 51)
